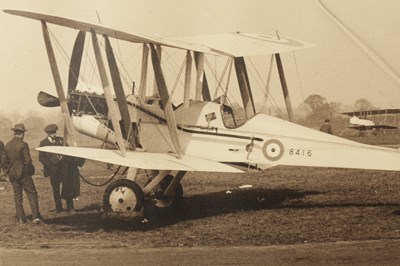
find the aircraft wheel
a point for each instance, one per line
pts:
(164, 202)
(123, 195)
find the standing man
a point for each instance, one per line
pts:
(18, 162)
(71, 180)
(3, 176)
(52, 163)
(326, 127)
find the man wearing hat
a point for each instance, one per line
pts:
(52, 163)
(18, 162)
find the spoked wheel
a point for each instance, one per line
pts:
(123, 196)
(167, 202)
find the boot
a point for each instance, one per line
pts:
(70, 205)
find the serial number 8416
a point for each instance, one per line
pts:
(300, 152)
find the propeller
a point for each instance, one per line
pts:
(76, 59)
(48, 100)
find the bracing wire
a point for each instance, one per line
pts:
(373, 55)
(178, 78)
(298, 77)
(265, 92)
(219, 82)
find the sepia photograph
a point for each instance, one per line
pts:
(186, 132)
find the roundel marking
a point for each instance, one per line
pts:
(273, 149)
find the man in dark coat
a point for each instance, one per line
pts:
(20, 169)
(326, 127)
(71, 180)
(3, 176)
(52, 163)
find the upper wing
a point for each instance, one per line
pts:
(233, 44)
(85, 26)
(239, 44)
(143, 160)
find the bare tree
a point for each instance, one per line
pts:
(318, 109)
(363, 105)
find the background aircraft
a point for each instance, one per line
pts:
(205, 132)
(370, 120)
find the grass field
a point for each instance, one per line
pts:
(284, 205)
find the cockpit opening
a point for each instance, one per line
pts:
(230, 117)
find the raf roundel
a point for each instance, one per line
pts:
(273, 149)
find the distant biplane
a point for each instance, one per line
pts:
(203, 133)
(369, 120)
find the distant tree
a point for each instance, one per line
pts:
(5, 126)
(16, 117)
(34, 123)
(363, 104)
(318, 109)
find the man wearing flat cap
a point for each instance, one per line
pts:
(20, 169)
(52, 163)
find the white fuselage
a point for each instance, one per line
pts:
(204, 132)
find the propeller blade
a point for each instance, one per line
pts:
(76, 59)
(47, 100)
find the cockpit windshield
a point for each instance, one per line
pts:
(232, 118)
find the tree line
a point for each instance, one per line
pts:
(316, 108)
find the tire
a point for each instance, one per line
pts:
(123, 195)
(164, 203)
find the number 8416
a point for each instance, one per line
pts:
(300, 152)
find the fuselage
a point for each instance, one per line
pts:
(209, 130)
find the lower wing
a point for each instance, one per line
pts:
(143, 160)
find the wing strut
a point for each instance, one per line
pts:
(201, 81)
(159, 53)
(119, 93)
(284, 87)
(143, 75)
(165, 101)
(71, 133)
(188, 74)
(244, 86)
(113, 110)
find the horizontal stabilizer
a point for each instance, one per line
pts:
(143, 160)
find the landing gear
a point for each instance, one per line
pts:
(123, 195)
(124, 198)
(170, 201)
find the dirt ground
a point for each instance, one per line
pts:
(283, 206)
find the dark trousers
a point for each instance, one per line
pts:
(70, 204)
(56, 185)
(25, 183)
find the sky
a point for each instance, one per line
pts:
(335, 68)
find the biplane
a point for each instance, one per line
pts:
(203, 133)
(369, 120)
